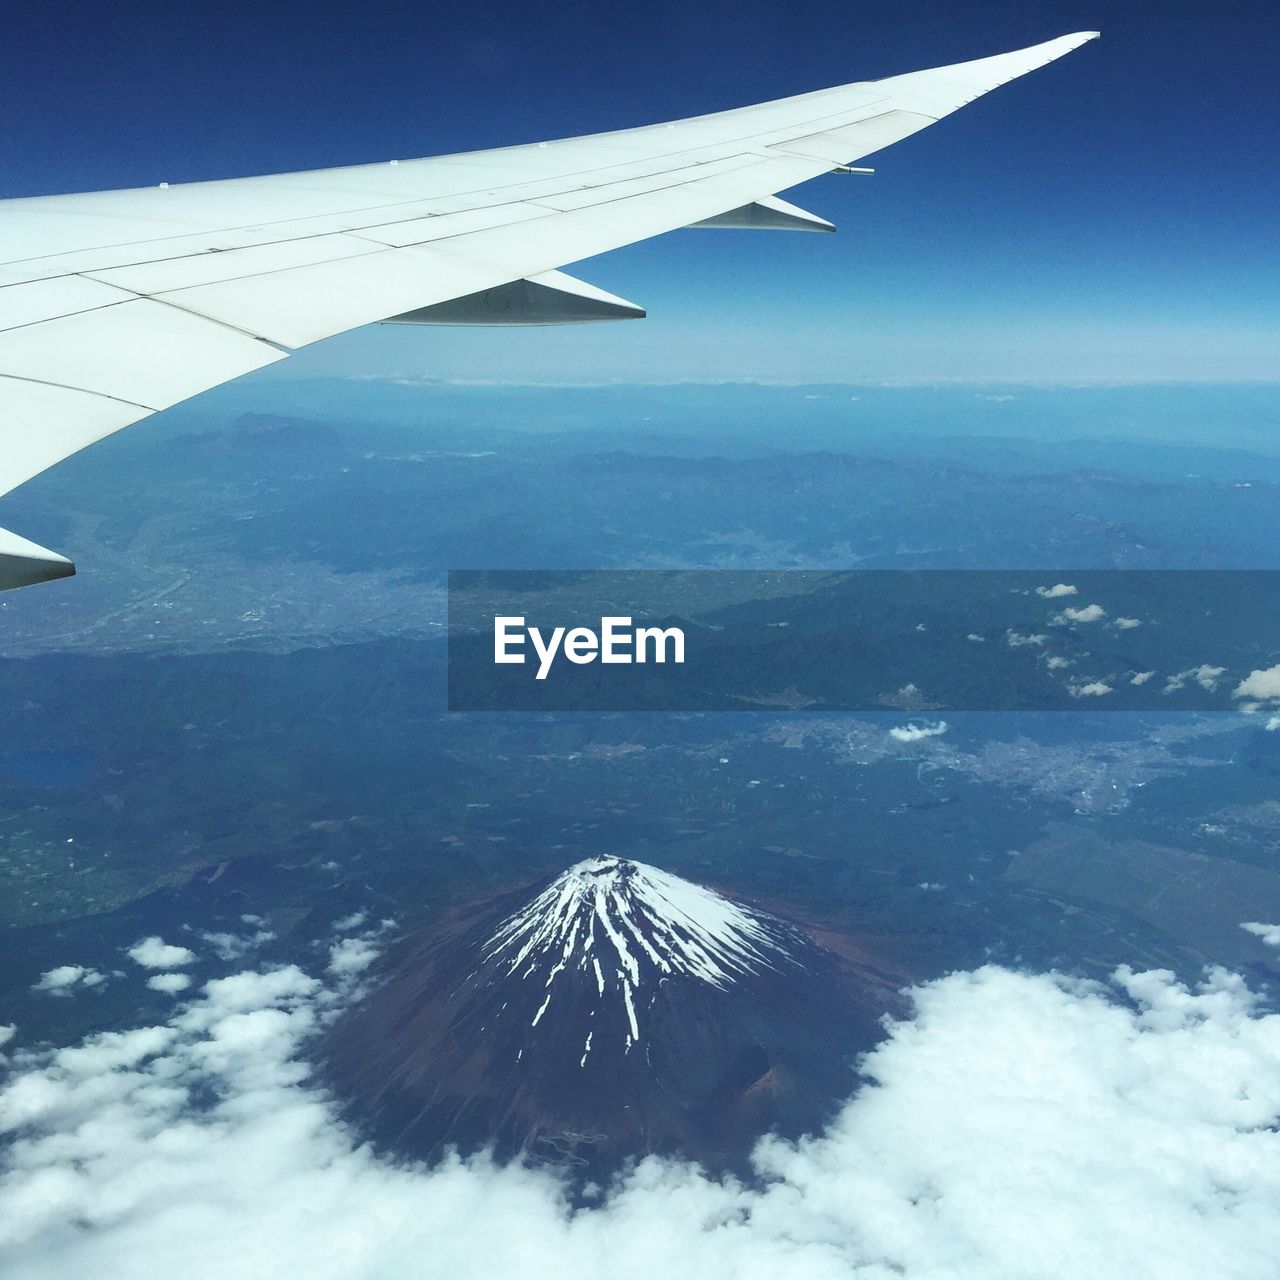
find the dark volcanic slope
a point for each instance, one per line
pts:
(618, 1010)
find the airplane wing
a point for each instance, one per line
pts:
(116, 304)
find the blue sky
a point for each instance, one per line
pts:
(1111, 217)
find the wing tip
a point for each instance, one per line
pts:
(1061, 46)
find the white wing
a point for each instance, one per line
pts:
(116, 304)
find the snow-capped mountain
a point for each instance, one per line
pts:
(613, 1011)
(623, 928)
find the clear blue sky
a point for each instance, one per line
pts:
(1113, 216)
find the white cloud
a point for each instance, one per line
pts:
(347, 923)
(351, 955)
(170, 983)
(7, 1032)
(155, 953)
(65, 975)
(1142, 677)
(234, 946)
(1090, 613)
(1269, 933)
(1128, 624)
(915, 732)
(975, 637)
(1273, 724)
(1016, 641)
(1017, 1126)
(1263, 685)
(1057, 591)
(1057, 663)
(1094, 689)
(61, 981)
(1204, 675)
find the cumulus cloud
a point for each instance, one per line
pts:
(170, 983)
(235, 946)
(1128, 624)
(1016, 1125)
(915, 732)
(62, 980)
(1057, 663)
(155, 953)
(1017, 641)
(1090, 613)
(1141, 677)
(1094, 689)
(1204, 675)
(1269, 933)
(1057, 591)
(7, 1032)
(351, 955)
(1273, 723)
(1263, 685)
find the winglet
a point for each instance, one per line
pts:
(942, 90)
(23, 563)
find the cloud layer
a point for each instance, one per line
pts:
(1017, 1125)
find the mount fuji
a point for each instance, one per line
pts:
(614, 1011)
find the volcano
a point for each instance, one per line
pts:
(612, 1012)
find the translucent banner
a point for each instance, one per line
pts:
(916, 641)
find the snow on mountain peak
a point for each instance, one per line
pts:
(628, 927)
